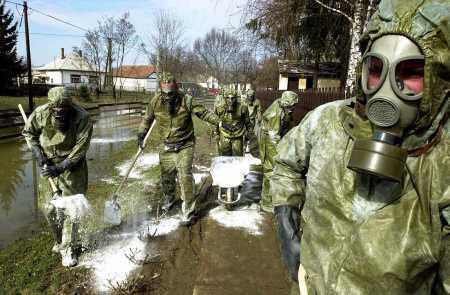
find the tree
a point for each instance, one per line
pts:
(11, 65)
(267, 73)
(219, 51)
(95, 52)
(312, 31)
(125, 39)
(358, 21)
(165, 47)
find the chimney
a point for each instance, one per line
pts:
(62, 53)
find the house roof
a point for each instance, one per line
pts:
(72, 62)
(134, 71)
(294, 67)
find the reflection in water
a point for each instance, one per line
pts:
(15, 159)
(18, 198)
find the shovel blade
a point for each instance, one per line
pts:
(112, 213)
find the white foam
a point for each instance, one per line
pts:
(110, 263)
(201, 168)
(75, 206)
(144, 162)
(111, 140)
(198, 177)
(248, 219)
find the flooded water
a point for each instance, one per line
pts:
(19, 173)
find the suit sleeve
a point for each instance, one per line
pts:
(149, 115)
(288, 182)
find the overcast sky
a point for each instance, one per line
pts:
(199, 16)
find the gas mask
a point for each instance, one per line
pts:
(230, 102)
(61, 117)
(171, 99)
(392, 81)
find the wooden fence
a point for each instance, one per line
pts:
(308, 99)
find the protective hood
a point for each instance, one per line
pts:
(59, 96)
(288, 99)
(425, 22)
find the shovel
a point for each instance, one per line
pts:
(112, 213)
(77, 205)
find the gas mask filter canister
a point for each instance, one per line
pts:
(392, 81)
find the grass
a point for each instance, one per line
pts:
(28, 266)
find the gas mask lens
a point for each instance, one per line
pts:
(374, 72)
(409, 75)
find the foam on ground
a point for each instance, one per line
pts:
(248, 219)
(144, 162)
(110, 263)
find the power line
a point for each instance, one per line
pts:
(50, 16)
(58, 19)
(56, 35)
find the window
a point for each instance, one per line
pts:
(75, 79)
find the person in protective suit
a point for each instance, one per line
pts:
(275, 123)
(373, 187)
(173, 112)
(254, 112)
(59, 133)
(234, 124)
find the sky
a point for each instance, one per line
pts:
(198, 16)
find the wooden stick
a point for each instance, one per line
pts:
(139, 152)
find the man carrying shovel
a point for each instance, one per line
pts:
(173, 112)
(59, 134)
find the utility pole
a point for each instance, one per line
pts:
(158, 68)
(27, 41)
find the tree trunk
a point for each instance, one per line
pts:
(354, 48)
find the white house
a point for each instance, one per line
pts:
(70, 70)
(209, 83)
(136, 78)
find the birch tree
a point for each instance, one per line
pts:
(358, 22)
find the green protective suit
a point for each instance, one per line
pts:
(255, 115)
(71, 144)
(232, 143)
(176, 132)
(274, 125)
(362, 235)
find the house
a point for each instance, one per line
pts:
(71, 70)
(294, 75)
(136, 78)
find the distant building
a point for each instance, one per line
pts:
(136, 78)
(71, 70)
(295, 75)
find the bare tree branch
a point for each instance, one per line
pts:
(335, 10)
